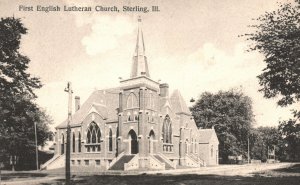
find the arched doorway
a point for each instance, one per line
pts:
(151, 142)
(133, 143)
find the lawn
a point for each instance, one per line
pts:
(284, 176)
(289, 175)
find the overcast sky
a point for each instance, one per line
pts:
(192, 45)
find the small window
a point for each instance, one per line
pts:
(73, 162)
(109, 161)
(79, 162)
(136, 117)
(129, 118)
(86, 162)
(97, 162)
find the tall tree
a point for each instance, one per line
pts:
(18, 111)
(262, 139)
(290, 132)
(277, 36)
(230, 113)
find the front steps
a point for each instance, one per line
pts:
(168, 166)
(119, 165)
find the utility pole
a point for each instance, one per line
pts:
(68, 89)
(36, 149)
(248, 152)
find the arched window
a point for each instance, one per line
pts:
(132, 101)
(93, 138)
(136, 116)
(62, 146)
(167, 134)
(73, 143)
(79, 142)
(167, 130)
(110, 141)
(129, 118)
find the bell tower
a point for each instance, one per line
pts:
(138, 105)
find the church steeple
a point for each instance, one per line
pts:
(140, 66)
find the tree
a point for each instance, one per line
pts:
(290, 132)
(18, 111)
(230, 113)
(277, 37)
(262, 139)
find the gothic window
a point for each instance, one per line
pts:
(186, 146)
(93, 138)
(129, 118)
(110, 140)
(136, 117)
(152, 119)
(79, 142)
(73, 143)
(132, 101)
(62, 146)
(167, 134)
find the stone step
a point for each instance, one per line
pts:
(167, 165)
(119, 165)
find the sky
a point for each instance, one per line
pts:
(194, 46)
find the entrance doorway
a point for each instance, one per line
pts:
(133, 143)
(151, 142)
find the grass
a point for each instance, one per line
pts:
(289, 176)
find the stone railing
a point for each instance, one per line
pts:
(156, 164)
(167, 147)
(189, 161)
(167, 160)
(132, 164)
(115, 159)
(57, 161)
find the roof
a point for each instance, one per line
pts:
(205, 135)
(178, 104)
(105, 102)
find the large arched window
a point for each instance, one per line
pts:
(73, 143)
(110, 141)
(167, 134)
(132, 101)
(62, 146)
(93, 138)
(79, 142)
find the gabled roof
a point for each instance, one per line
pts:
(105, 102)
(178, 104)
(205, 135)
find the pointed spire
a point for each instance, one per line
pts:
(140, 66)
(140, 46)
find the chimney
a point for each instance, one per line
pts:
(77, 103)
(164, 90)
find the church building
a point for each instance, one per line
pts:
(136, 126)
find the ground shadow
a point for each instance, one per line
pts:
(18, 175)
(257, 179)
